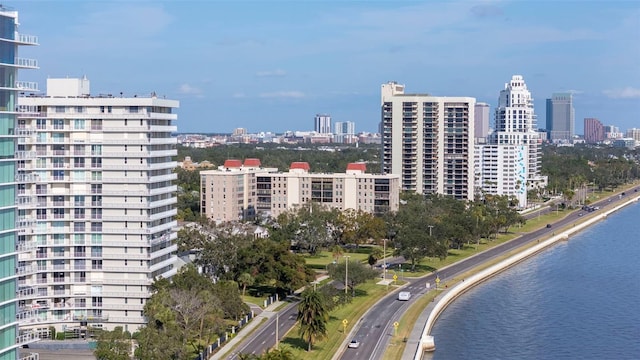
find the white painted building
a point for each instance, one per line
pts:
(428, 141)
(97, 188)
(345, 132)
(502, 170)
(514, 146)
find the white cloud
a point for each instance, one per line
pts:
(239, 95)
(189, 90)
(624, 93)
(283, 94)
(271, 73)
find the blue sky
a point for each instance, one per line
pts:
(272, 65)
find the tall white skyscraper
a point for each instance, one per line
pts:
(514, 146)
(98, 197)
(322, 124)
(12, 336)
(428, 141)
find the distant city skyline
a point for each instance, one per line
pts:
(273, 65)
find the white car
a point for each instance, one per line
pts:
(354, 344)
(404, 295)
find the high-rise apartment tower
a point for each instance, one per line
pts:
(593, 131)
(98, 190)
(510, 163)
(428, 141)
(11, 225)
(322, 124)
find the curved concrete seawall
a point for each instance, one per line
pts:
(427, 342)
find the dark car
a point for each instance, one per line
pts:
(548, 225)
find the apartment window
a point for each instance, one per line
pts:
(96, 264)
(96, 301)
(96, 162)
(60, 109)
(96, 227)
(96, 239)
(96, 251)
(96, 149)
(78, 226)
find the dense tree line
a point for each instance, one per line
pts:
(604, 168)
(281, 155)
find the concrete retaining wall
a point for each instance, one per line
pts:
(427, 342)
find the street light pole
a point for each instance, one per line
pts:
(391, 236)
(384, 259)
(346, 273)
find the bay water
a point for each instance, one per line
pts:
(579, 299)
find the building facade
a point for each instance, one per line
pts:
(560, 117)
(510, 163)
(12, 336)
(634, 134)
(481, 122)
(428, 141)
(345, 132)
(322, 124)
(238, 186)
(593, 131)
(230, 193)
(502, 170)
(97, 190)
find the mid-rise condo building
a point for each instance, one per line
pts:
(97, 204)
(238, 190)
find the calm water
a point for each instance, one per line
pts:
(577, 300)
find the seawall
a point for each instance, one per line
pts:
(426, 342)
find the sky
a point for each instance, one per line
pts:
(273, 65)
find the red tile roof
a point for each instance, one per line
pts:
(300, 165)
(232, 163)
(252, 162)
(357, 166)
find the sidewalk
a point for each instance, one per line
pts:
(266, 314)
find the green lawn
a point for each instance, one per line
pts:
(366, 296)
(320, 260)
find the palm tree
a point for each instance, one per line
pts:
(283, 353)
(313, 316)
(245, 279)
(336, 251)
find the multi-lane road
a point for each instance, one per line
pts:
(375, 328)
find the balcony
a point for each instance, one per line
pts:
(23, 39)
(91, 318)
(26, 338)
(25, 63)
